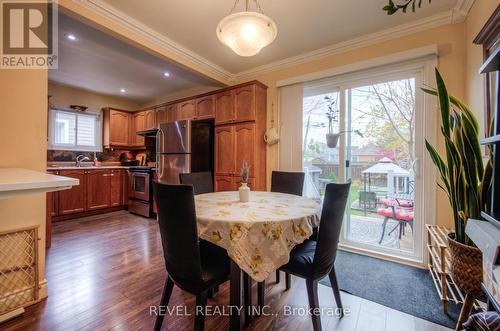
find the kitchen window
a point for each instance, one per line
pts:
(75, 131)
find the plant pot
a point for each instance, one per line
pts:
(466, 267)
(244, 192)
(332, 139)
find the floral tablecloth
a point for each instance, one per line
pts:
(258, 235)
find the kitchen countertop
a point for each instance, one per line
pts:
(18, 181)
(85, 167)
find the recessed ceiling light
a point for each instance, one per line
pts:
(71, 36)
(123, 90)
(166, 74)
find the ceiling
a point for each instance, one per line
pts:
(101, 63)
(303, 25)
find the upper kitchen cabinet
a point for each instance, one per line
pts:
(116, 130)
(150, 119)
(224, 110)
(186, 110)
(244, 103)
(171, 111)
(205, 107)
(138, 123)
(239, 104)
(161, 115)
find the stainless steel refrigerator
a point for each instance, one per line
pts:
(183, 147)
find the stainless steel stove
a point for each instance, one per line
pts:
(140, 195)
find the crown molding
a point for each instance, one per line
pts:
(455, 15)
(356, 43)
(461, 10)
(123, 20)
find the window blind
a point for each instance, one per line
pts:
(75, 131)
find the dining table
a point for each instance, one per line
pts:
(258, 235)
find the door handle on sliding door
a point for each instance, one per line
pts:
(415, 166)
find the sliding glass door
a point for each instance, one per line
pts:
(377, 118)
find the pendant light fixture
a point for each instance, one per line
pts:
(246, 33)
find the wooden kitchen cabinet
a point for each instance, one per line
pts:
(52, 199)
(116, 187)
(98, 189)
(244, 103)
(138, 124)
(224, 183)
(72, 200)
(116, 128)
(224, 150)
(186, 110)
(224, 109)
(244, 145)
(172, 112)
(235, 144)
(205, 107)
(52, 205)
(242, 111)
(231, 183)
(125, 187)
(150, 119)
(161, 115)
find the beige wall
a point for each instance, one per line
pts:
(64, 96)
(451, 48)
(474, 88)
(23, 130)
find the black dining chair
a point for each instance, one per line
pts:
(289, 183)
(193, 265)
(314, 260)
(202, 182)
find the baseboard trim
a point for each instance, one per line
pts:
(87, 213)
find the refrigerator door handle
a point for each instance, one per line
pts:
(159, 140)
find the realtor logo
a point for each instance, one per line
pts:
(29, 35)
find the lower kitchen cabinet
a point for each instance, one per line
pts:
(224, 183)
(116, 184)
(230, 183)
(73, 200)
(98, 189)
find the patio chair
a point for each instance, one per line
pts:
(402, 214)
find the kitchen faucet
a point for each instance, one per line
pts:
(79, 159)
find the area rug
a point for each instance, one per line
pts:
(397, 286)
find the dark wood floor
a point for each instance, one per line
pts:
(104, 272)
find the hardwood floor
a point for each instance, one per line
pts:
(105, 271)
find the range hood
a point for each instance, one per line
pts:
(147, 133)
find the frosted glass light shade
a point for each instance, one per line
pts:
(246, 33)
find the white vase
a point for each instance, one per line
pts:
(244, 191)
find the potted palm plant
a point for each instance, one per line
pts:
(333, 116)
(467, 182)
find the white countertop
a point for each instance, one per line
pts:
(19, 181)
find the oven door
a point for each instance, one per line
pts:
(139, 185)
